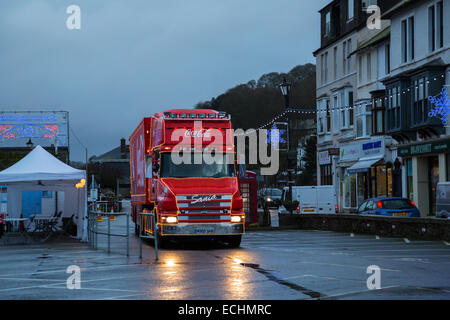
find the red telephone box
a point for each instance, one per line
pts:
(248, 187)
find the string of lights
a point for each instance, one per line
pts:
(313, 110)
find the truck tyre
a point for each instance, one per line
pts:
(234, 241)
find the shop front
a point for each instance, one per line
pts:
(370, 175)
(348, 156)
(426, 164)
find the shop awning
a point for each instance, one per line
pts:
(363, 165)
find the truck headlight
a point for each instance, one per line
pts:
(269, 199)
(170, 219)
(236, 219)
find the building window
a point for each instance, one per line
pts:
(369, 67)
(335, 68)
(335, 114)
(387, 53)
(378, 115)
(344, 58)
(349, 57)
(351, 107)
(360, 69)
(326, 175)
(343, 110)
(326, 67)
(322, 68)
(328, 128)
(363, 120)
(393, 108)
(320, 118)
(420, 101)
(435, 27)
(431, 28)
(350, 9)
(407, 39)
(327, 23)
(411, 37)
(440, 24)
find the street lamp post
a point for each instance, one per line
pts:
(285, 88)
(30, 144)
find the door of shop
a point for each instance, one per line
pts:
(433, 179)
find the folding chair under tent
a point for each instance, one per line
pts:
(39, 170)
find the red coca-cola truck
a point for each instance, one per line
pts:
(190, 197)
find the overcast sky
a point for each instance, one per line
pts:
(133, 58)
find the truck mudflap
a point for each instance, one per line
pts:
(202, 229)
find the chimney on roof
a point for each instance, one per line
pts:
(123, 146)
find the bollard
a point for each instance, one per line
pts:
(140, 236)
(155, 235)
(128, 234)
(109, 235)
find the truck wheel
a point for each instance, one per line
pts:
(234, 241)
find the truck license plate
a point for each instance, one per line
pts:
(204, 230)
(309, 210)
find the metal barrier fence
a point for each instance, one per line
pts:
(143, 225)
(95, 217)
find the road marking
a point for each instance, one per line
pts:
(406, 240)
(377, 237)
(356, 292)
(352, 235)
(446, 243)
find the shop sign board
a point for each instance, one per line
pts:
(372, 148)
(350, 152)
(324, 158)
(425, 148)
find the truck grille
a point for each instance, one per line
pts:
(206, 207)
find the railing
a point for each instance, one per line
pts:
(143, 219)
(96, 212)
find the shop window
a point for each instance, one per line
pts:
(362, 187)
(349, 187)
(384, 181)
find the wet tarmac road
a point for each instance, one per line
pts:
(288, 264)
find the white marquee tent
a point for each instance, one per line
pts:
(39, 170)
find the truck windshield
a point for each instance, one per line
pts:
(191, 170)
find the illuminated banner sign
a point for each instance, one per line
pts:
(44, 128)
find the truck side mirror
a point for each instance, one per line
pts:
(156, 167)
